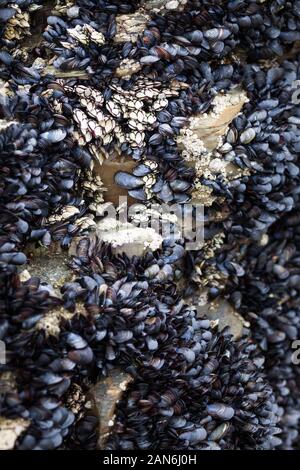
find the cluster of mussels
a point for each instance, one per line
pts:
(84, 82)
(193, 387)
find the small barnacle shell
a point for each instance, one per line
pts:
(81, 90)
(160, 104)
(151, 164)
(107, 139)
(137, 138)
(98, 131)
(90, 107)
(84, 34)
(135, 104)
(78, 34)
(127, 68)
(97, 97)
(80, 117)
(96, 36)
(135, 125)
(69, 211)
(151, 119)
(149, 180)
(109, 125)
(113, 108)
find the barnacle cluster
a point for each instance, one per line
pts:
(15, 21)
(198, 100)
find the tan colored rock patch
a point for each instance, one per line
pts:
(106, 394)
(10, 430)
(200, 140)
(224, 315)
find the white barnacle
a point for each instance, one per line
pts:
(18, 25)
(149, 180)
(97, 97)
(160, 104)
(109, 124)
(151, 164)
(96, 36)
(113, 108)
(82, 90)
(98, 131)
(118, 98)
(134, 125)
(84, 34)
(67, 212)
(151, 119)
(107, 139)
(127, 68)
(141, 116)
(139, 138)
(78, 34)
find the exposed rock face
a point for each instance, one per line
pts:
(221, 312)
(107, 393)
(10, 430)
